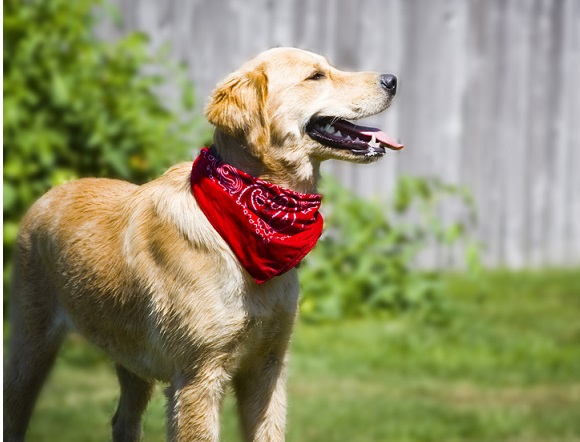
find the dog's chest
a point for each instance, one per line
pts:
(275, 297)
(271, 311)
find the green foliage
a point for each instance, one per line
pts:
(363, 265)
(77, 106)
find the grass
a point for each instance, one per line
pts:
(504, 365)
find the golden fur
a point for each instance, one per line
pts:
(140, 272)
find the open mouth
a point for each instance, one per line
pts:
(359, 140)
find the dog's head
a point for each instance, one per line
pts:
(288, 103)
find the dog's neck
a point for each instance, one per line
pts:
(301, 175)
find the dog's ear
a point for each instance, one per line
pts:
(237, 106)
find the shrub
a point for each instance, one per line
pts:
(77, 106)
(364, 264)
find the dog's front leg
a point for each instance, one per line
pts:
(261, 396)
(260, 383)
(194, 403)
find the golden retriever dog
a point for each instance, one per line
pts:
(140, 272)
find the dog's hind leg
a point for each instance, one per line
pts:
(37, 329)
(135, 395)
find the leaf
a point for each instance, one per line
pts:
(9, 196)
(10, 232)
(453, 233)
(60, 89)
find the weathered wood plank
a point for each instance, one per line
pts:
(569, 136)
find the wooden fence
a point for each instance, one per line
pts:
(489, 96)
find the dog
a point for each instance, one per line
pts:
(143, 273)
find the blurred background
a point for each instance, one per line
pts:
(487, 96)
(444, 301)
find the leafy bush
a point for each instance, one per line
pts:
(364, 264)
(76, 106)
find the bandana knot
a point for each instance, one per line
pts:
(269, 228)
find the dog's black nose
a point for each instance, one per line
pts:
(389, 82)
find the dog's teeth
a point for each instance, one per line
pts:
(348, 138)
(357, 140)
(338, 134)
(329, 129)
(373, 142)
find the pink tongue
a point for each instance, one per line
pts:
(380, 136)
(369, 131)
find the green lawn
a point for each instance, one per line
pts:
(505, 366)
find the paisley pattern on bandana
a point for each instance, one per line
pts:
(269, 228)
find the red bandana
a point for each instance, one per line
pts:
(269, 228)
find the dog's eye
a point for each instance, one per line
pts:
(317, 76)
